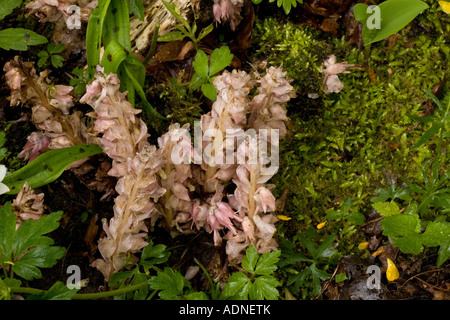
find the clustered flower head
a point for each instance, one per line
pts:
(330, 70)
(51, 106)
(231, 200)
(228, 11)
(218, 184)
(59, 10)
(135, 163)
(28, 205)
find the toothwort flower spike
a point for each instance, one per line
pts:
(136, 164)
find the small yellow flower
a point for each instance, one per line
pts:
(284, 218)
(363, 245)
(321, 225)
(392, 271)
(445, 5)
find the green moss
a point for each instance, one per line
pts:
(346, 145)
(298, 48)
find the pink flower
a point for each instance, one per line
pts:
(36, 142)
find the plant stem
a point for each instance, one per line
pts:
(85, 296)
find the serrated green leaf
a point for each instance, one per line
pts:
(220, 59)
(340, 277)
(200, 64)
(237, 286)
(57, 61)
(37, 257)
(19, 39)
(357, 218)
(250, 259)
(209, 91)
(264, 287)
(267, 263)
(152, 255)
(170, 283)
(436, 234)
(387, 209)
(196, 81)
(48, 166)
(30, 232)
(443, 254)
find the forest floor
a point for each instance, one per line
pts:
(341, 150)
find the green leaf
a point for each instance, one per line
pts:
(7, 230)
(30, 232)
(48, 166)
(394, 14)
(326, 250)
(200, 64)
(205, 32)
(176, 13)
(443, 254)
(237, 286)
(387, 209)
(43, 58)
(357, 218)
(267, 263)
(264, 287)
(58, 291)
(57, 61)
(94, 34)
(404, 230)
(19, 39)
(37, 257)
(8, 6)
(172, 36)
(197, 81)
(209, 91)
(250, 259)
(117, 22)
(220, 59)
(428, 134)
(137, 8)
(51, 48)
(340, 277)
(152, 255)
(170, 283)
(436, 234)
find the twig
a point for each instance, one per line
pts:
(328, 283)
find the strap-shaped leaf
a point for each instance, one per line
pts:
(94, 35)
(117, 24)
(48, 166)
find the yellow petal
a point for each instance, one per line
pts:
(284, 218)
(380, 250)
(392, 271)
(321, 225)
(445, 6)
(363, 245)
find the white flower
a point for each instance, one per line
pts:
(3, 187)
